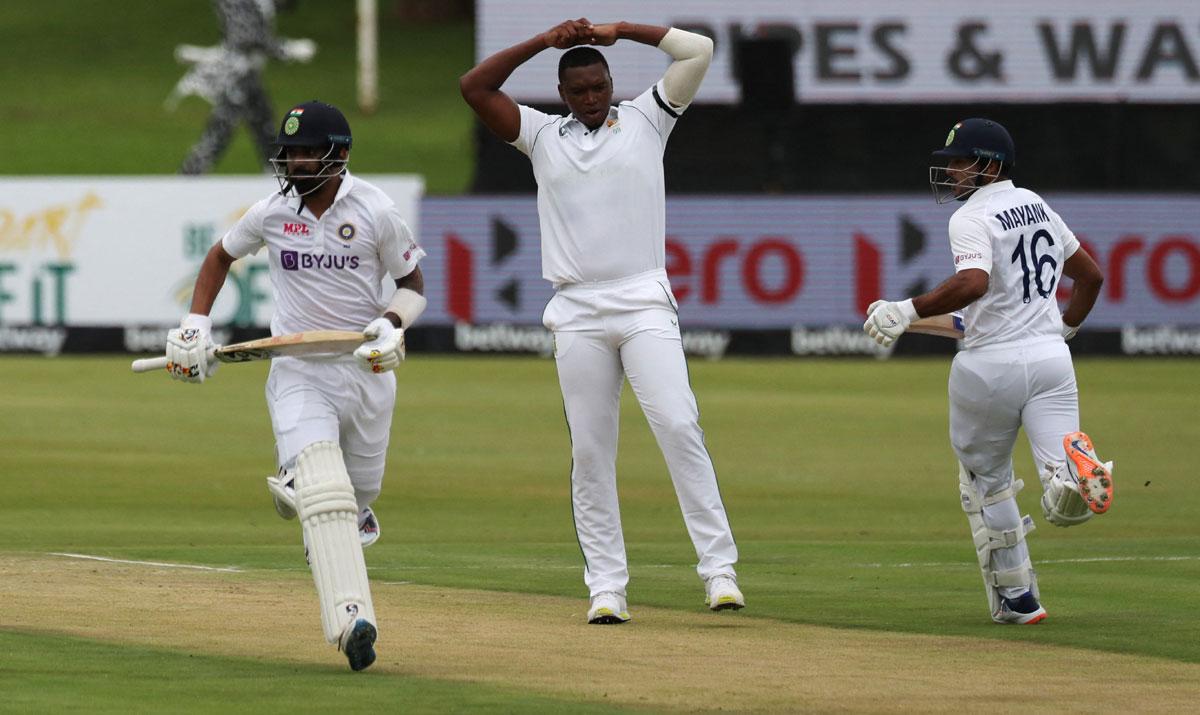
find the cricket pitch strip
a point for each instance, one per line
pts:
(663, 660)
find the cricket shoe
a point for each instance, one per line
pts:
(283, 492)
(1094, 477)
(722, 593)
(1023, 610)
(368, 527)
(358, 643)
(608, 608)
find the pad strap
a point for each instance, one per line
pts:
(1013, 578)
(1008, 492)
(972, 504)
(988, 539)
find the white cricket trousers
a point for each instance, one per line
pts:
(994, 390)
(333, 399)
(605, 332)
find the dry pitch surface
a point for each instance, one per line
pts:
(665, 659)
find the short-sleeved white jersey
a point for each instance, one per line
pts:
(601, 194)
(1022, 243)
(327, 273)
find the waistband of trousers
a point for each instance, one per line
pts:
(1017, 344)
(656, 274)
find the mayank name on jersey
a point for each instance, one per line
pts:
(1023, 216)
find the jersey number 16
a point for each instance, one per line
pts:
(1038, 262)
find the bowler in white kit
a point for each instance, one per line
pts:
(331, 240)
(1010, 252)
(602, 207)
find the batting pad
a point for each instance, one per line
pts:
(329, 516)
(989, 536)
(1062, 505)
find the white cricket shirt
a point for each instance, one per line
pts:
(327, 273)
(601, 195)
(1022, 243)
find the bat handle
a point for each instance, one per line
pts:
(149, 364)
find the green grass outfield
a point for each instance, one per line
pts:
(837, 475)
(85, 80)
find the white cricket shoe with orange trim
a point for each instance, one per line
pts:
(1025, 610)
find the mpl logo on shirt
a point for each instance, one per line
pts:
(295, 229)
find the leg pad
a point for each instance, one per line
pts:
(329, 516)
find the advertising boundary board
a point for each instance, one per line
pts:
(84, 268)
(504, 339)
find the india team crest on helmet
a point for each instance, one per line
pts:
(292, 124)
(346, 231)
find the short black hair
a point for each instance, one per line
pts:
(581, 57)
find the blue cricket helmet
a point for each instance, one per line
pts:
(980, 138)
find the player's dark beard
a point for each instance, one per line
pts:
(306, 185)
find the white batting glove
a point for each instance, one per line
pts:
(384, 349)
(887, 321)
(190, 349)
(1069, 331)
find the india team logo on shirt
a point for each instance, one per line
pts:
(346, 231)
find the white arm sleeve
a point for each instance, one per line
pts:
(246, 236)
(398, 251)
(692, 54)
(970, 243)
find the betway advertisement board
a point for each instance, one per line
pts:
(887, 51)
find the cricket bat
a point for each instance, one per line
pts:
(312, 342)
(949, 325)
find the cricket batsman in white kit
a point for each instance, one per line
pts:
(331, 239)
(602, 209)
(1010, 252)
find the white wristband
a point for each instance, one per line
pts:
(408, 304)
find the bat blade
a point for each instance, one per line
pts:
(949, 325)
(312, 342)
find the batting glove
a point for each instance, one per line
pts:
(887, 321)
(384, 349)
(190, 349)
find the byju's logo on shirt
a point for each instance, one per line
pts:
(295, 229)
(295, 261)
